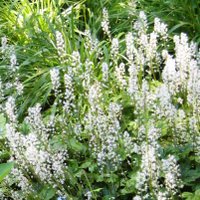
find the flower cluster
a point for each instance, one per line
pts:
(160, 28)
(120, 75)
(14, 83)
(104, 129)
(105, 72)
(130, 48)
(3, 44)
(172, 174)
(69, 97)
(90, 44)
(114, 49)
(60, 45)
(55, 79)
(33, 154)
(105, 23)
(152, 166)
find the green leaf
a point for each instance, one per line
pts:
(97, 190)
(111, 178)
(99, 178)
(178, 26)
(57, 143)
(191, 175)
(2, 124)
(4, 155)
(86, 164)
(129, 185)
(5, 169)
(47, 193)
(163, 127)
(79, 173)
(197, 194)
(191, 196)
(77, 146)
(187, 195)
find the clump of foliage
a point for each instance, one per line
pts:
(181, 16)
(96, 114)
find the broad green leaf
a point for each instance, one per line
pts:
(187, 195)
(58, 143)
(47, 193)
(79, 173)
(197, 195)
(129, 185)
(5, 169)
(99, 178)
(191, 196)
(86, 164)
(113, 178)
(76, 146)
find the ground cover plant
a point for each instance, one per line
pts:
(94, 107)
